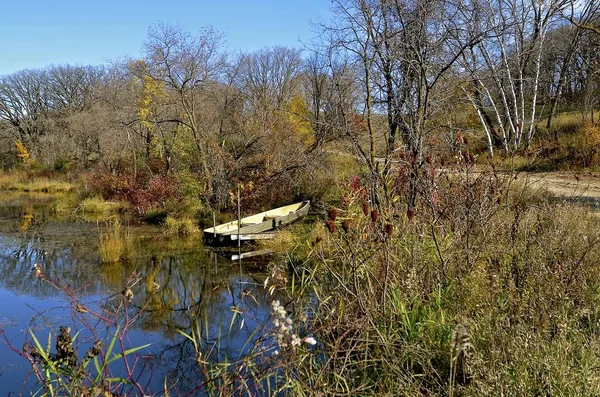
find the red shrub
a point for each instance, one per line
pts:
(142, 189)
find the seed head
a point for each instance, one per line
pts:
(365, 209)
(346, 225)
(389, 229)
(374, 215)
(331, 214)
(330, 226)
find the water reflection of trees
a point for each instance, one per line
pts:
(181, 285)
(199, 291)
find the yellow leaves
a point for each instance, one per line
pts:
(22, 152)
(153, 92)
(592, 134)
(245, 188)
(299, 120)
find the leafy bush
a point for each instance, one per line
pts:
(142, 190)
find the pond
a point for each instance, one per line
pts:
(52, 275)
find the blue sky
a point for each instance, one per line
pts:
(35, 34)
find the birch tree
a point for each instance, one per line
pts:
(505, 67)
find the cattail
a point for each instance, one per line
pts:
(459, 138)
(374, 215)
(331, 214)
(346, 225)
(466, 140)
(330, 226)
(499, 200)
(410, 214)
(365, 209)
(443, 162)
(389, 229)
(471, 158)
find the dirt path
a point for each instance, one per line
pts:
(567, 185)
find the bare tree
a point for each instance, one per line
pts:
(505, 67)
(188, 66)
(73, 88)
(403, 50)
(24, 104)
(585, 14)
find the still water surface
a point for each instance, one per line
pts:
(179, 284)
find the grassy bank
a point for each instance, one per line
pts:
(23, 181)
(483, 289)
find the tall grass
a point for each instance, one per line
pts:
(182, 227)
(483, 289)
(115, 244)
(479, 291)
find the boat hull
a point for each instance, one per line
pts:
(254, 226)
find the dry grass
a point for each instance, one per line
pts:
(182, 227)
(115, 244)
(99, 206)
(485, 291)
(283, 241)
(22, 181)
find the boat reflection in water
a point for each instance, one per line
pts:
(180, 286)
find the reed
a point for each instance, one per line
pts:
(182, 227)
(115, 244)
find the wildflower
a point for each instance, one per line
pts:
(295, 340)
(310, 340)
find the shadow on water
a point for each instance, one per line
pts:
(180, 285)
